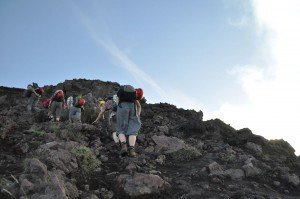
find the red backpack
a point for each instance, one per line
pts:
(139, 93)
(40, 91)
(81, 102)
(46, 103)
(59, 95)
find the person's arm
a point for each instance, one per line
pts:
(105, 107)
(32, 89)
(52, 98)
(64, 101)
(139, 107)
(100, 116)
(69, 102)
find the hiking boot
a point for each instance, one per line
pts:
(124, 149)
(132, 152)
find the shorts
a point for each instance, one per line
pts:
(128, 122)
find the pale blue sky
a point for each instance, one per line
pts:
(186, 45)
(219, 56)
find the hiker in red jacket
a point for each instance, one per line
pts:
(57, 104)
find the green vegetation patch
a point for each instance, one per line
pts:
(186, 154)
(38, 133)
(88, 162)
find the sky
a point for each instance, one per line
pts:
(234, 60)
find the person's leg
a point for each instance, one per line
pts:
(30, 103)
(122, 138)
(122, 123)
(131, 149)
(70, 114)
(58, 110)
(132, 140)
(122, 119)
(124, 149)
(77, 115)
(51, 111)
(113, 128)
(115, 137)
(133, 128)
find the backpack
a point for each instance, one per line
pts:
(139, 93)
(46, 103)
(40, 91)
(127, 94)
(59, 96)
(78, 102)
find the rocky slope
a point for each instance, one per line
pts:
(180, 155)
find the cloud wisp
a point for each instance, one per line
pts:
(273, 90)
(104, 40)
(102, 37)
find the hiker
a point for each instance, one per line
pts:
(33, 93)
(101, 102)
(128, 117)
(75, 105)
(56, 105)
(111, 106)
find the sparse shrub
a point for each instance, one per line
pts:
(186, 154)
(25, 163)
(70, 133)
(88, 161)
(228, 158)
(55, 129)
(89, 114)
(74, 134)
(35, 144)
(38, 133)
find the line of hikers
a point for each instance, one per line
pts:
(123, 110)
